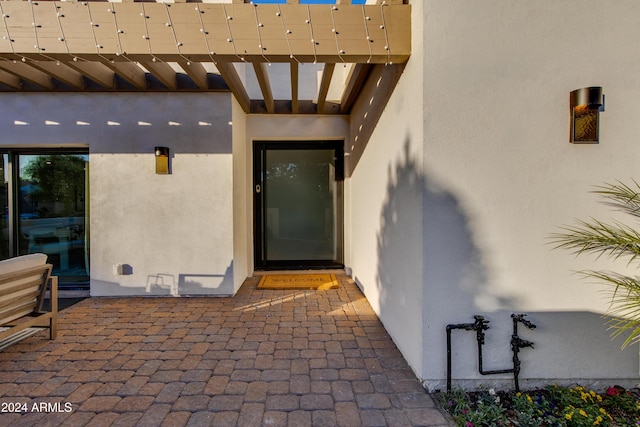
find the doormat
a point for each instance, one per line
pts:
(319, 282)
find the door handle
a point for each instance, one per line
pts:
(258, 188)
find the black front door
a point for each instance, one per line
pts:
(298, 204)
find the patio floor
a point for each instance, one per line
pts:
(263, 357)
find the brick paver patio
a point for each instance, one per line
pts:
(263, 357)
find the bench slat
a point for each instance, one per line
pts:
(30, 296)
(16, 312)
(20, 290)
(31, 271)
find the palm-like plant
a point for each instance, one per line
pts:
(615, 240)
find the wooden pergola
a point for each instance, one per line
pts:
(193, 46)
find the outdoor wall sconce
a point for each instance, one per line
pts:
(162, 160)
(585, 105)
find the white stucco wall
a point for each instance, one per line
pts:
(385, 199)
(174, 232)
(501, 176)
(242, 198)
(485, 155)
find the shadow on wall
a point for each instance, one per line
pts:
(399, 240)
(426, 236)
(433, 271)
(165, 284)
(116, 123)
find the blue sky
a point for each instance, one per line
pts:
(307, 1)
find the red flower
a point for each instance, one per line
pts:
(615, 391)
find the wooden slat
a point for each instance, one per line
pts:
(196, 72)
(230, 75)
(26, 272)
(17, 312)
(163, 72)
(295, 82)
(325, 82)
(130, 72)
(10, 80)
(16, 299)
(22, 70)
(263, 80)
(60, 72)
(19, 285)
(95, 71)
(357, 76)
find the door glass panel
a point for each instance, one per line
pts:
(52, 210)
(300, 205)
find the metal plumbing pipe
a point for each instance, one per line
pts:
(480, 326)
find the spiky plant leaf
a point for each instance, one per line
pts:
(624, 309)
(615, 240)
(621, 196)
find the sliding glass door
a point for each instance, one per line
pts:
(45, 203)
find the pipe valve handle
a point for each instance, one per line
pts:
(521, 319)
(520, 343)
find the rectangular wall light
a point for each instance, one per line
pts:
(585, 106)
(162, 160)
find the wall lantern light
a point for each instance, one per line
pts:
(162, 160)
(585, 105)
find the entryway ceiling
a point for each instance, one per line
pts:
(96, 46)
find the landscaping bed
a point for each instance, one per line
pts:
(547, 407)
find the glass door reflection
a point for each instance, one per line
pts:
(45, 200)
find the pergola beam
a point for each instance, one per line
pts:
(10, 80)
(60, 72)
(262, 75)
(230, 75)
(95, 71)
(294, 71)
(163, 72)
(196, 72)
(327, 75)
(129, 71)
(26, 72)
(356, 78)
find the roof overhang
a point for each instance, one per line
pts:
(145, 46)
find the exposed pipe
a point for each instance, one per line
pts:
(480, 325)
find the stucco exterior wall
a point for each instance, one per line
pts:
(242, 198)
(173, 232)
(453, 200)
(385, 200)
(501, 176)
